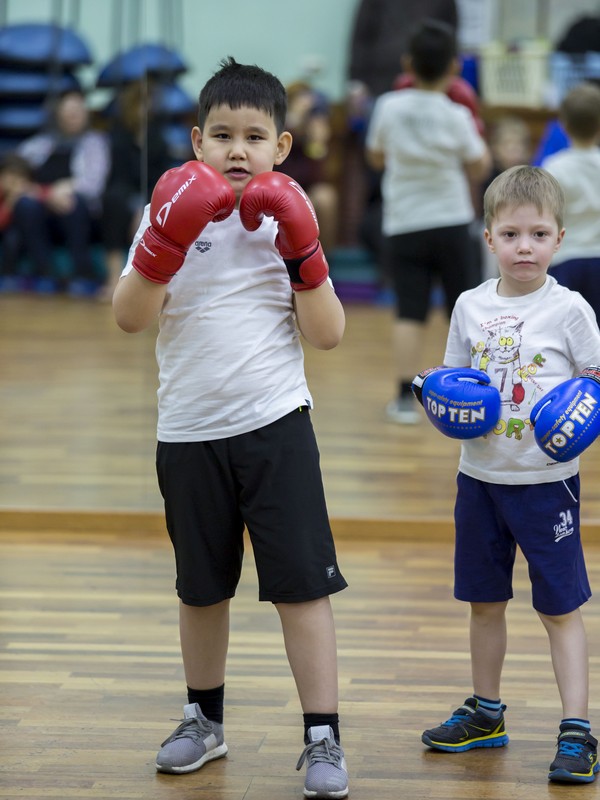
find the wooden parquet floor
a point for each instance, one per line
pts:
(78, 416)
(90, 670)
(91, 678)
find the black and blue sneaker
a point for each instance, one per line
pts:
(577, 756)
(467, 728)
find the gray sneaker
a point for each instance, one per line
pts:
(326, 773)
(193, 743)
(404, 411)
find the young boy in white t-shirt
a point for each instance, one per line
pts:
(428, 147)
(529, 334)
(227, 259)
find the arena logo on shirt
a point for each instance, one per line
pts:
(202, 246)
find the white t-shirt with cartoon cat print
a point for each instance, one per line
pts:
(527, 345)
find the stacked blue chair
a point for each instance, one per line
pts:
(37, 61)
(162, 65)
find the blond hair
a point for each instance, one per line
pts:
(580, 112)
(523, 186)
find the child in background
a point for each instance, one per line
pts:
(577, 169)
(428, 147)
(16, 181)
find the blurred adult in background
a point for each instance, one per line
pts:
(380, 37)
(309, 121)
(70, 162)
(139, 156)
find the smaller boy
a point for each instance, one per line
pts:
(577, 169)
(529, 334)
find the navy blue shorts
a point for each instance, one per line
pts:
(543, 520)
(268, 481)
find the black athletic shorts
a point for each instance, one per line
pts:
(415, 261)
(268, 481)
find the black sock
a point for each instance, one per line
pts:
(311, 720)
(210, 701)
(405, 388)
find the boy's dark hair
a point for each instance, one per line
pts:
(580, 111)
(236, 85)
(432, 48)
(524, 185)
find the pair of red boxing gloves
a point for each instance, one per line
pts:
(185, 199)
(462, 404)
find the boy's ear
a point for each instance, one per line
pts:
(488, 240)
(560, 237)
(197, 142)
(284, 145)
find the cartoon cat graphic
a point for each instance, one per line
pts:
(501, 356)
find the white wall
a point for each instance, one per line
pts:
(283, 38)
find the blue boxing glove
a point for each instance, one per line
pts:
(566, 421)
(458, 401)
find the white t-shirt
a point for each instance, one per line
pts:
(533, 343)
(228, 349)
(578, 172)
(426, 138)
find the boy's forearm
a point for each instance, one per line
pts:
(320, 316)
(376, 159)
(137, 302)
(480, 169)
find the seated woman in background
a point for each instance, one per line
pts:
(139, 156)
(70, 162)
(309, 123)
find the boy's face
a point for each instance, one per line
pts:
(240, 143)
(524, 242)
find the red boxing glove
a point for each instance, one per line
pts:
(276, 195)
(461, 91)
(185, 199)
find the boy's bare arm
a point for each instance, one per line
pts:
(320, 316)
(137, 302)
(479, 169)
(375, 159)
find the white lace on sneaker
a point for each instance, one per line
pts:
(194, 742)
(326, 773)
